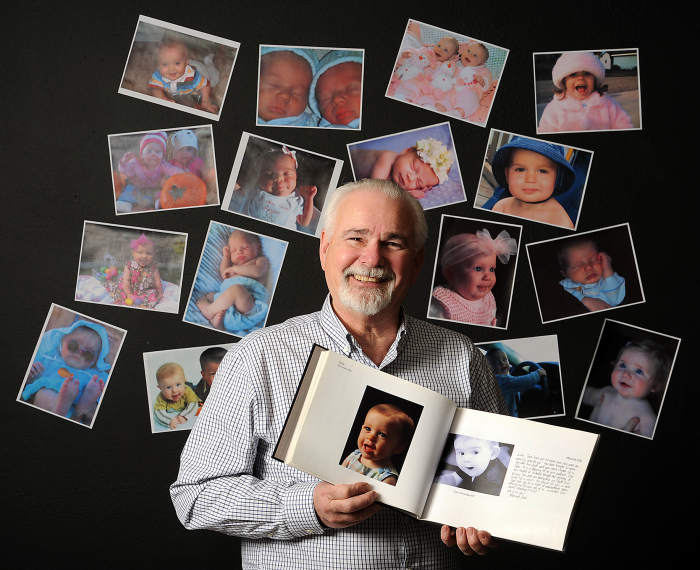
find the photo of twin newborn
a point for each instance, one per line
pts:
(310, 87)
(447, 73)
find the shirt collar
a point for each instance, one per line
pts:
(346, 343)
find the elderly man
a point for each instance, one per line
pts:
(371, 251)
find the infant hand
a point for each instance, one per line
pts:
(406, 54)
(226, 250)
(480, 80)
(209, 106)
(230, 272)
(417, 194)
(181, 419)
(595, 304)
(605, 263)
(174, 423)
(542, 372)
(128, 156)
(307, 192)
(36, 371)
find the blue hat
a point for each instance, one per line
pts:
(566, 176)
(307, 53)
(51, 343)
(332, 58)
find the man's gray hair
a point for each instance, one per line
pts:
(390, 189)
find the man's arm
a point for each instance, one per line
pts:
(485, 394)
(216, 488)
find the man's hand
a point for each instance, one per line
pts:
(340, 506)
(469, 540)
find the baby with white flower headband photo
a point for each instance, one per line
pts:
(416, 169)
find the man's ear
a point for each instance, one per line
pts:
(323, 248)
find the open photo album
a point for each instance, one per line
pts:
(516, 478)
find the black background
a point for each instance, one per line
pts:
(100, 496)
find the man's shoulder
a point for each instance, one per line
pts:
(300, 327)
(428, 331)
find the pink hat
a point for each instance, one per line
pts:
(157, 137)
(573, 61)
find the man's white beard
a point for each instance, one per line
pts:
(371, 301)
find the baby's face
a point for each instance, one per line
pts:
(173, 387)
(499, 362)
(474, 455)
(152, 155)
(285, 79)
(473, 278)
(339, 93)
(172, 61)
(579, 84)
(411, 173)
(634, 375)
(531, 176)
(279, 176)
(474, 55)
(583, 265)
(143, 254)
(80, 348)
(209, 372)
(185, 154)
(445, 49)
(241, 251)
(380, 437)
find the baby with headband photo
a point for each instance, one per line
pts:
(468, 265)
(416, 169)
(273, 196)
(421, 161)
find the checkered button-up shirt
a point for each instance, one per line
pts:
(229, 482)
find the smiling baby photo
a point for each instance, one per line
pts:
(578, 91)
(628, 378)
(179, 68)
(474, 272)
(533, 179)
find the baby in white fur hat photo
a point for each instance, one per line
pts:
(593, 91)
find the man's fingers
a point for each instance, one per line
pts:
(339, 506)
(469, 540)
